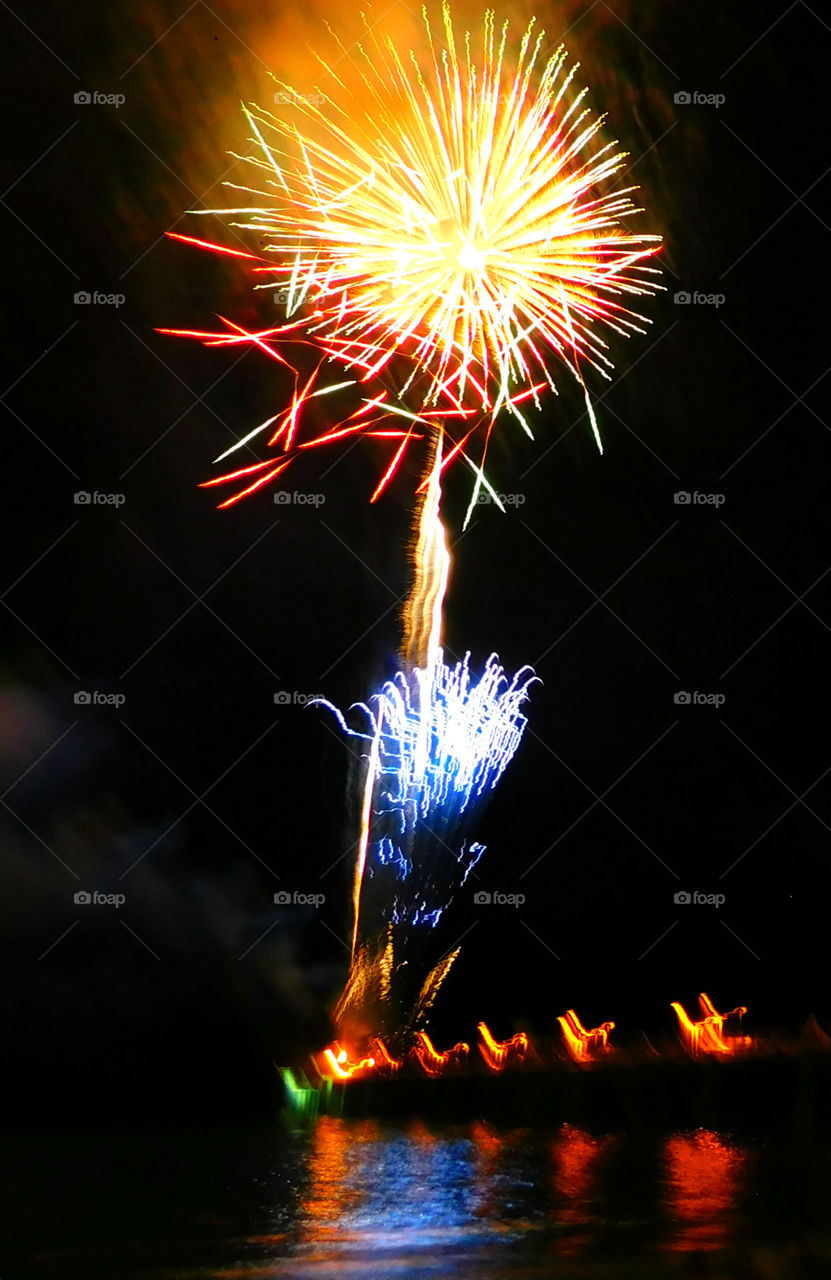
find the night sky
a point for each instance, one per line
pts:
(199, 796)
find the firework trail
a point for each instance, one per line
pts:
(443, 231)
(437, 740)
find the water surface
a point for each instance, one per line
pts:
(361, 1198)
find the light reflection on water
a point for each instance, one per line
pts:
(575, 1156)
(364, 1198)
(392, 1190)
(395, 1194)
(404, 1190)
(704, 1177)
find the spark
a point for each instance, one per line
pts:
(206, 244)
(436, 739)
(450, 222)
(444, 737)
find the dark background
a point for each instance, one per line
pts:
(618, 798)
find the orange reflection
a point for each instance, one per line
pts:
(575, 1155)
(707, 1035)
(583, 1045)
(330, 1192)
(421, 1135)
(703, 1177)
(489, 1148)
(500, 1053)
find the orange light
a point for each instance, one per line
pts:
(431, 1061)
(499, 1053)
(334, 1064)
(707, 1035)
(583, 1045)
(382, 1058)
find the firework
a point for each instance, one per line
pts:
(437, 738)
(445, 232)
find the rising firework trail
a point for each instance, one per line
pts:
(446, 231)
(436, 740)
